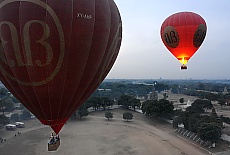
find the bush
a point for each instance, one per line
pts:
(26, 114)
(3, 120)
(108, 115)
(15, 117)
(127, 116)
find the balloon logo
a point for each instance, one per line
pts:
(182, 34)
(54, 55)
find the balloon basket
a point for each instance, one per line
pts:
(54, 146)
(54, 143)
(183, 67)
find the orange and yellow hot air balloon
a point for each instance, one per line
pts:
(183, 33)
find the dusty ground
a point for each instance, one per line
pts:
(95, 135)
(176, 97)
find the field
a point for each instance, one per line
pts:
(95, 135)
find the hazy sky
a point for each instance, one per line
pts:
(143, 54)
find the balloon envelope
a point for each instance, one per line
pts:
(53, 55)
(182, 34)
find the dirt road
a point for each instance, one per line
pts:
(95, 135)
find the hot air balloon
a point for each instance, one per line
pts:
(183, 33)
(54, 55)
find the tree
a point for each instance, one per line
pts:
(134, 103)
(165, 109)
(147, 107)
(83, 111)
(3, 120)
(203, 103)
(108, 115)
(9, 105)
(73, 116)
(165, 96)
(195, 109)
(117, 89)
(213, 113)
(192, 120)
(161, 109)
(3, 92)
(15, 117)
(161, 87)
(183, 119)
(6, 104)
(26, 114)
(106, 102)
(221, 101)
(225, 119)
(2, 107)
(181, 100)
(209, 132)
(94, 102)
(125, 101)
(127, 116)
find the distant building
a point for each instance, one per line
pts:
(152, 95)
(213, 113)
(141, 98)
(8, 115)
(205, 91)
(104, 90)
(183, 107)
(225, 91)
(17, 106)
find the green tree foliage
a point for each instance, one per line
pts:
(192, 118)
(161, 87)
(108, 115)
(106, 102)
(147, 107)
(225, 119)
(125, 101)
(26, 114)
(212, 96)
(74, 116)
(209, 119)
(83, 111)
(6, 104)
(177, 112)
(98, 102)
(221, 101)
(158, 108)
(183, 118)
(195, 109)
(3, 120)
(135, 103)
(129, 101)
(181, 100)
(9, 105)
(226, 96)
(127, 116)
(164, 109)
(211, 90)
(203, 103)
(94, 102)
(15, 117)
(192, 122)
(3, 92)
(119, 88)
(165, 96)
(209, 132)
(213, 113)
(189, 117)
